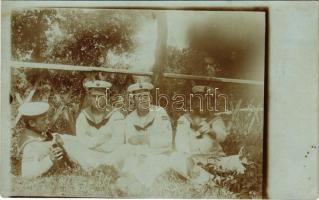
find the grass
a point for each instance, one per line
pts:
(169, 185)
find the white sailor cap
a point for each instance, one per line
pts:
(202, 89)
(97, 84)
(140, 86)
(33, 109)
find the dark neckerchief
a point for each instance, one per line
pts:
(139, 128)
(98, 125)
(101, 123)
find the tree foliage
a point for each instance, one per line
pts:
(72, 36)
(28, 33)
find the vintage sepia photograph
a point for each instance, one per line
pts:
(138, 102)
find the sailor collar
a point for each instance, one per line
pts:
(88, 115)
(142, 123)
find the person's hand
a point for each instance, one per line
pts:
(57, 138)
(56, 153)
(204, 128)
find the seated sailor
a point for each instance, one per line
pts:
(99, 129)
(99, 125)
(39, 156)
(148, 136)
(199, 131)
(148, 124)
(198, 135)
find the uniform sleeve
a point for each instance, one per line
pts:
(218, 127)
(32, 164)
(181, 137)
(162, 137)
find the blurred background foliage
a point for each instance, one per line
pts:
(86, 37)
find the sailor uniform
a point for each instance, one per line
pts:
(188, 141)
(101, 136)
(33, 147)
(94, 142)
(154, 128)
(35, 154)
(193, 148)
(148, 140)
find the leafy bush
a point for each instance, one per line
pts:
(246, 132)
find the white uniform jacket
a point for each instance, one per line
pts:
(35, 154)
